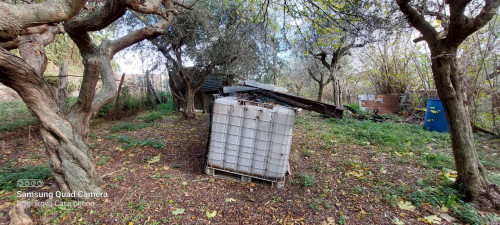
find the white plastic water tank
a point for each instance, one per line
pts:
(250, 139)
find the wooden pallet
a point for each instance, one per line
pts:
(245, 178)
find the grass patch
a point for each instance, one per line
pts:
(490, 162)
(436, 161)
(152, 116)
(14, 115)
(129, 143)
(128, 126)
(494, 178)
(306, 179)
(446, 195)
(103, 160)
(10, 176)
(399, 137)
(437, 196)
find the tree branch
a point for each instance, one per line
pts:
(312, 75)
(418, 21)
(185, 6)
(139, 35)
(20, 16)
(46, 32)
(322, 57)
(461, 26)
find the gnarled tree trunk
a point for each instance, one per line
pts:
(471, 174)
(65, 132)
(189, 109)
(69, 157)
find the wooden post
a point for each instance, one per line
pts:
(117, 100)
(62, 86)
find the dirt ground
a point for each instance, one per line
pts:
(174, 189)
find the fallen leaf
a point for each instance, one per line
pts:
(357, 174)
(230, 200)
(396, 221)
(154, 159)
(406, 205)
(178, 211)
(432, 219)
(447, 217)
(211, 215)
(451, 175)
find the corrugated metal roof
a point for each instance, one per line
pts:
(212, 84)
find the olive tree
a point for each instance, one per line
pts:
(31, 27)
(211, 37)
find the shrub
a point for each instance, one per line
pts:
(152, 117)
(166, 108)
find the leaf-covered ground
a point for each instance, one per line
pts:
(343, 172)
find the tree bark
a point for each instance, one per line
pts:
(189, 109)
(320, 91)
(337, 98)
(471, 174)
(69, 157)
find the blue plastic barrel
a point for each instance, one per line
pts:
(435, 119)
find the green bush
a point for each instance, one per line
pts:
(165, 96)
(103, 112)
(10, 176)
(128, 102)
(166, 108)
(152, 116)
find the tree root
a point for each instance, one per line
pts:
(489, 198)
(20, 214)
